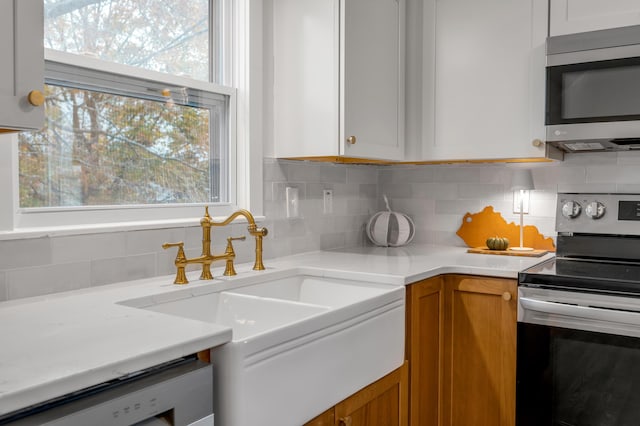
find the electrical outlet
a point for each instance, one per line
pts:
(292, 201)
(327, 198)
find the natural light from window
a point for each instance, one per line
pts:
(112, 139)
(170, 36)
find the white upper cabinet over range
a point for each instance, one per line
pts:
(22, 65)
(576, 16)
(485, 61)
(338, 78)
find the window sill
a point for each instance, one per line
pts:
(103, 228)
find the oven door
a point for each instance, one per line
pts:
(578, 360)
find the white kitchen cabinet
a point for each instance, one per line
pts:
(576, 16)
(483, 79)
(338, 69)
(22, 65)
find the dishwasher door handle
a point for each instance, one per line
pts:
(584, 312)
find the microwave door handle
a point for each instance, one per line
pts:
(585, 312)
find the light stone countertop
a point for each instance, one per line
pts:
(406, 265)
(57, 344)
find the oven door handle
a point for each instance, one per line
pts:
(586, 312)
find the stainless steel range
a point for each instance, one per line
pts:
(579, 318)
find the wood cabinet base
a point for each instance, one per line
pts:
(382, 403)
(461, 346)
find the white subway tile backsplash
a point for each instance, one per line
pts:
(414, 207)
(592, 158)
(613, 174)
(367, 191)
(146, 241)
(362, 174)
(458, 206)
(165, 263)
(549, 178)
(407, 174)
(481, 191)
(543, 207)
(315, 190)
(437, 191)
(362, 207)
(587, 187)
(3, 287)
(332, 240)
(273, 170)
(48, 279)
(88, 247)
(628, 158)
(303, 172)
(333, 173)
(290, 227)
(396, 190)
(108, 271)
(486, 173)
(140, 266)
(448, 222)
(629, 188)
(25, 253)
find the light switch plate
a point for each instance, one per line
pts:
(327, 201)
(292, 201)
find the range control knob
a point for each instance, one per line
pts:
(571, 209)
(595, 210)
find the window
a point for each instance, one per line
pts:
(136, 115)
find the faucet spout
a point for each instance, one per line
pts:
(257, 233)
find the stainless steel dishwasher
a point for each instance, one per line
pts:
(176, 393)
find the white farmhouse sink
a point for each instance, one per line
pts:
(329, 292)
(246, 315)
(301, 343)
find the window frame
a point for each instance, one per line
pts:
(243, 74)
(85, 215)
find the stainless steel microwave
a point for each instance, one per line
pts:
(593, 90)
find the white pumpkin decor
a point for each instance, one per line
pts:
(390, 229)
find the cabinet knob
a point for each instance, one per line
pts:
(351, 140)
(506, 296)
(537, 143)
(35, 98)
(345, 421)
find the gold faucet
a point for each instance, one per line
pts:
(206, 258)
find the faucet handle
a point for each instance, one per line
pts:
(180, 262)
(169, 245)
(230, 254)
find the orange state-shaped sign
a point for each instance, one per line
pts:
(477, 227)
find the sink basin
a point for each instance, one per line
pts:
(328, 292)
(246, 315)
(301, 342)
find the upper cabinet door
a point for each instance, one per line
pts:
(22, 67)
(488, 65)
(372, 54)
(306, 43)
(576, 16)
(338, 69)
